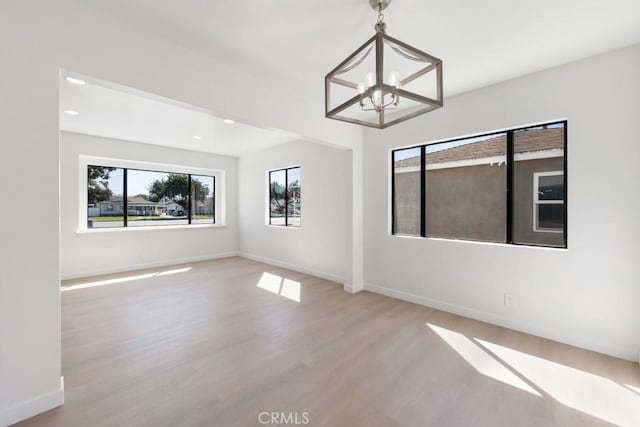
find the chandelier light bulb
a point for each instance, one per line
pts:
(394, 79)
(370, 79)
(361, 88)
(377, 98)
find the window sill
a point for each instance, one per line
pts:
(291, 227)
(147, 228)
(476, 242)
(539, 230)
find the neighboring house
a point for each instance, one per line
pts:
(168, 207)
(465, 195)
(111, 207)
(139, 206)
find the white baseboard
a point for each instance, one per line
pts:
(29, 408)
(132, 267)
(305, 270)
(353, 289)
(518, 325)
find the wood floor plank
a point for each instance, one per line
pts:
(202, 344)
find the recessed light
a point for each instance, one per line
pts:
(75, 81)
(229, 121)
(197, 137)
(71, 112)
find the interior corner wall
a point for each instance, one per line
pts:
(87, 254)
(319, 246)
(587, 295)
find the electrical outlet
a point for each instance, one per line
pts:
(509, 300)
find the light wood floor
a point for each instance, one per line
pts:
(202, 344)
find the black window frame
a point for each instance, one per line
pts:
(286, 196)
(508, 190)
(125, 202)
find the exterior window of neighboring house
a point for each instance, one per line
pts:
(149, 198)
(548, 201)
(479, 188)
(285, 200)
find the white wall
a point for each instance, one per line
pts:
(91, 253)
(320, 245)
(37, 39)
(588, 295)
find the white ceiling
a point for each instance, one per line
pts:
(298, 41)
(113, 112)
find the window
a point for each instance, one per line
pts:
(406, 181)
(105, 190)
(539, 168)
(285, 197)
(465, 188)
(548, 201)
(479, 188)
(149, 198)
(202, 199)
(156, 198)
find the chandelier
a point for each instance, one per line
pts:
(384, 82)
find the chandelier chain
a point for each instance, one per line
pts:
(380, 26)
(380, 14)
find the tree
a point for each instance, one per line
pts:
(98, 184)
(176, 187)
(199, 191)
(277, 196)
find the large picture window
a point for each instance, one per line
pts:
(122, 197)
(285, 201)
(480, 188)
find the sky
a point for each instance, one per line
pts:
(139, 181)
(293, 174)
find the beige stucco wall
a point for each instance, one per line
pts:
(478, 196)
(467, 202)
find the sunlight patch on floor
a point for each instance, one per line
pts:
(636, 389)
(174, 271)
(586, 392)
(123, 279)
(279, 285)
(480, 360)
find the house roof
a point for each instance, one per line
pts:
(524, 142)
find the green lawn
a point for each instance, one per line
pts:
(144, 218)
(105, 218)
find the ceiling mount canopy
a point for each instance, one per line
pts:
(384, 82)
